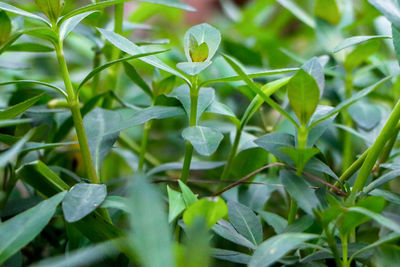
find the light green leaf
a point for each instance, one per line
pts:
(355, 40)
(12, 153)
(382, 220)
(30, 47)
(150, 236)
(82, 199)
(389, 8)
(202, 33)
(298, 12)
(212, 210)
(188, 197)
(18, 11)
(276, 247)
(193, 68)
(7, 123)
(18, 231)
(36, 82)
(128, 47)
(131, 72)
(366, 115)
(195, 165)
(5, 27)
(303, 94)
(328, 10)
(300, 156)
(245, 222)
(19, 108)
(204, 140)
(176, 204)
(360, 54)
(69, 25)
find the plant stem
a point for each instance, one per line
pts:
(232, 155)
(76, 116)
(292, 211)
(143, 147)
(345, 262)
(376, 148)
(347, 144)
(194, 96)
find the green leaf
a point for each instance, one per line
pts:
(211, 209)
(275, 221)
(128, 47)
(13, 152)
(188, 197)
(300, 190)
(389, 8)
(165, 86)
(382, 220)
(245, 222)
(366, 115)
(195, 165)
(303, 94)
(349, 101)
(7, 123)
(34, 146)
(276, 247)
(36, 82)
(19, 108)
(69, 25)
(298, 12)
(149, 236)
(176, 204)
(18, 11)
(97, 123)
(204, 140)
(355, 40)
(82, 199)
(208, 38)
(109, 64)
(315, 69)
(15, 237)
(131, 72)
(349, 220)
(30, 47)
(328, 10)
(116, 202)
(103, 4)
(360, 54)
(300, 156)
(232, 256)
(246, 78)
(5, 27)
(227, 231)
(193, 68)
(396, 41)
(90, 255)
(52, 9)
(387, 195)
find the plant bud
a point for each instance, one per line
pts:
(198, 53)
(51, 8)
(5, 27)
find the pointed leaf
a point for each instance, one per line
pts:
(204, 140)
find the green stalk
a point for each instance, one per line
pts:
(269, 90)
(292, 211)
(345, 262)
(145, 137)
(331, 240)
(112, 75)
(347, 143)
(126, 142)
(194, 97)
(376, 149)
(76, 115)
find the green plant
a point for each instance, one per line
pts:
(262, 140)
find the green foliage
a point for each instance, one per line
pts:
(131, 137)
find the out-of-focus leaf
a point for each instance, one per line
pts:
(389, 8)
(30, 47)
(150, 236)
(328, 10)
(212, 210)
(195, 165)
(81, 200)
(232, 256)
(15, 237)
(366, 115)
(18, 11)
(360, 54)
(13, 152)
(355, 40)
(298, 12)
(5, 27)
